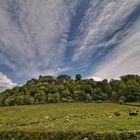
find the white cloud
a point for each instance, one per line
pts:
(5, 82)
(101, 17)
(126, 59)
(96, 78)
(105, 17)
(33, 34)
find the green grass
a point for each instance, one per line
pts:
(75, 117)
(135, 103)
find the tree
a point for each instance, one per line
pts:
(100, 95)
(20, 100)
(40, 97)
(132, 91)
(87, 89)
(9, 101)
(114, 96)
(88, 97)
(62, 88)
(65, 93)
(122, 99)
(108, 91)
(56, 97)
(50, 98)
(29, 100)
(76, 95)
(78, 77)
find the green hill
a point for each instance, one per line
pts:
(49, 89)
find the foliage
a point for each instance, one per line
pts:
(78, 77)
(35, 135)
(49, 89)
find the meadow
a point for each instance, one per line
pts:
(64, 118)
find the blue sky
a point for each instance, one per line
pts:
(97, 38)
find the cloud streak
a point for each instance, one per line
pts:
(126, 57)
(32, 33)
(111, 38)
(93, 37)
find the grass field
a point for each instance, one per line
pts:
(74, 117)
(135, 103)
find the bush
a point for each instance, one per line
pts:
(56, 97)
(43, 135)
(64, 100)
(121, 101)
(88, 98)
(98, 101)
(70, 100)
(123, 98)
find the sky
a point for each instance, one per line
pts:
(96, 38)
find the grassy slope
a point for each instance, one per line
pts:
(70, 117)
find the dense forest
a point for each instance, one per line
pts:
(49, 89)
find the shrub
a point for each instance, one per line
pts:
(64, 100)
(121, 102)
(42, 135)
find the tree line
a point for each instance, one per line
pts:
(49, 89)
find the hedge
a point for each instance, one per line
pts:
(35, 135)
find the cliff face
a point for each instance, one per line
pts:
(51, 79)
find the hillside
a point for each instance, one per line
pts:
(49, 89)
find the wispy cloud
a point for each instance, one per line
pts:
(126, 57)
(110, 36)
(95, 37)
(102, 18)
(34, 34)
